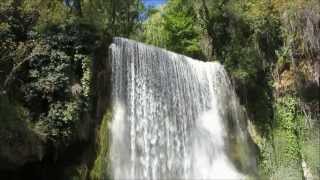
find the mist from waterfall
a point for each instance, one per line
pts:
(173, 117)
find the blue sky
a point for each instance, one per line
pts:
(154, 3)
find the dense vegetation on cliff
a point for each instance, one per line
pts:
(54, 76)
(271, 50)
(54, 82)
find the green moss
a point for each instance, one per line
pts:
(286, 139)
(311, 150)
(281, 152)
(99, 170)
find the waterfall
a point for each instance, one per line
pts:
(173, 117)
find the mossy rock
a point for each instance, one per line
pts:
(100, 167)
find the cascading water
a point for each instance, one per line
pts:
(172, 116)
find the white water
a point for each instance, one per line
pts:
(170, 115)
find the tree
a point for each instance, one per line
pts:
(115, 17)
(174, 27)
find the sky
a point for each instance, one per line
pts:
(154, 3)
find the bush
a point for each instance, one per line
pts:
(50, 76)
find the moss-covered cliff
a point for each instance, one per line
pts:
(271, 51)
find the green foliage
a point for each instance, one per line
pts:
(174, 27)
(15, 21)
(255, 40)
(288, 126)
(154, 30)
(87, 74)
(47, 48)
(179, 22)
(115, 17)
(47, 52)
(244, 37)
(60, 120)
(310, 148)
(51, 12)
(266, 160)
(14, 43)
(281, 154)
(49, 74)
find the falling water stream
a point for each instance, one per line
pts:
(171, 116)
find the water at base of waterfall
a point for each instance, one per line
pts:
(169, 114)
